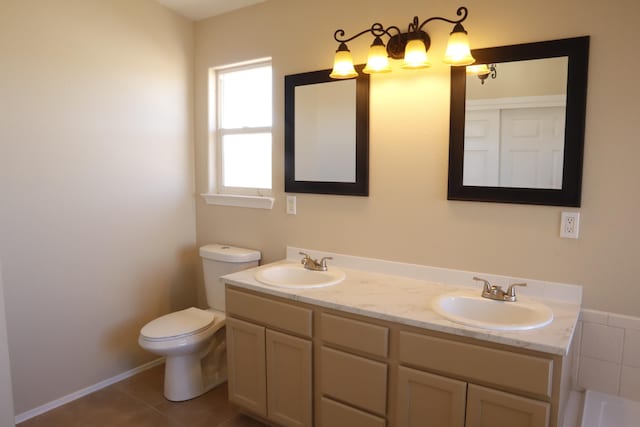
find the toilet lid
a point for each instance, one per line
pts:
(184, 322)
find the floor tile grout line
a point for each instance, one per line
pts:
(144, 402)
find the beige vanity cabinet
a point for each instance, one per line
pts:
(426, 399)
(298, 364)
(269, 358)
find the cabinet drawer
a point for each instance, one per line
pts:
(354, 335)
(269, 312)
(336, 414)
(512, 370)
(353, 379)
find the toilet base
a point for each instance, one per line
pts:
(182, 378)
(189, 376)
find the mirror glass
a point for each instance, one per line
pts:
(514, 125)
(326, 134)
(517, 134)
(325, 153)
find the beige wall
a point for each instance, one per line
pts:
(97, 214)
(6, 394)
(407, 216)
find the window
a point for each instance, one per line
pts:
(240, 134)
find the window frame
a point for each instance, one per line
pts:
(218, 193)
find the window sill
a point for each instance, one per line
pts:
(255, 202)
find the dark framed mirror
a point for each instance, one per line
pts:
(517, 130)
(326, 134)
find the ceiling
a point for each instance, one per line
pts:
(201, 9)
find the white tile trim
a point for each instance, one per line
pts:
(623, 321)
(599, 375)
(630, 383)
(602, 342)
(628, 377)
(595, 316)
(88, 390)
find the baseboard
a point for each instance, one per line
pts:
(88, 390)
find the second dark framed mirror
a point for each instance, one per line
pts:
(327, 134)
(517, 134)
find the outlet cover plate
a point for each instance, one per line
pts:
(291, 205)
(570, 225)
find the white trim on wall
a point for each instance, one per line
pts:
(243, 201)
(88, 390)
(517, 102)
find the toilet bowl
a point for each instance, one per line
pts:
(184, 338)
(193, 340)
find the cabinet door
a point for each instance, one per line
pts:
(490, 408)
(246, 365)
(429, 400)
(288, 379)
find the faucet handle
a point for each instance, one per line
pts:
(323, 262)
(486, 287)
(511, 292)
(305, 258)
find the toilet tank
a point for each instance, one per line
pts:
(218, 260)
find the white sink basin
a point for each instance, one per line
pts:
(296, 276)
(473, 310)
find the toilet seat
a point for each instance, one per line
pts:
(179, 324)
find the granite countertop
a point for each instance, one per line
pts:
(407, 301)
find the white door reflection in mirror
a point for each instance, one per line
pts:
(325, 132)
(531, 147)
(481, 147)
(514, 125)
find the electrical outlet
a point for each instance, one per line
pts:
(291, 205)
(570, 225)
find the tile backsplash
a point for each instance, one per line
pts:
(608, 353)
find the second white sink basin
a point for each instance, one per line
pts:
(296, 276)
(485, 313)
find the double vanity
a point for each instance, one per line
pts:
(378, 343)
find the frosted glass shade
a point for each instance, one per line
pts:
(343, 66)
(378, 61)
(458, 52)
(478, 70)
(415, 55)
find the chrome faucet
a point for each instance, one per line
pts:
(313, 264)
(497, 293)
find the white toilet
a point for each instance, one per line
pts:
(193, 340)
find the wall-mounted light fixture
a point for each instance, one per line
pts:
(483, 71)
(411, 46)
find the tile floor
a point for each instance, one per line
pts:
(138, 402)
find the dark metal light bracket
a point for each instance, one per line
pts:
(398, 41)
(493, 73)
